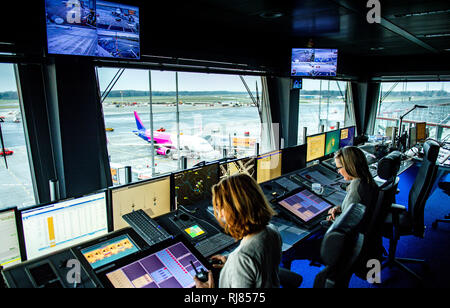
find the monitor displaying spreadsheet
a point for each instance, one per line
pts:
(268, 166)
(315, 147)
(9, 239)
(49, 228)
(152, 196)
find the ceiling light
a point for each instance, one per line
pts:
(436, 35)
(422, 13)
(271, 15)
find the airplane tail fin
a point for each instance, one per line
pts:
(139, 124)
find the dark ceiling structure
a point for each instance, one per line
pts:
(412, 37)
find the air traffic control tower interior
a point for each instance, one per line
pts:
(117, 118)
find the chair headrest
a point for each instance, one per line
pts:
(336, 238)
(431, 150)
(389, 165)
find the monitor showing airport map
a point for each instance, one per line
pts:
(92, 28)
(314, 62)
(332, 141)
(194, 185)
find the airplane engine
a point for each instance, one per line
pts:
(163, 151)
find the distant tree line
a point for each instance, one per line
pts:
(135, 93)
(9, 95)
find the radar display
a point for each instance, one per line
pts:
(195, 185)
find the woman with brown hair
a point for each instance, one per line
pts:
(244, 213)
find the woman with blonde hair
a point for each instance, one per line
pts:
(242, 210)
(351, 163)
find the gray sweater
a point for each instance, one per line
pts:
(255, 262)
(352, 195)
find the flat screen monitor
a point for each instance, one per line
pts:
(92, 28)
(194, 185)
(110, 250)
(313, 62)
(51, 227)
(10, 253)
(167, 265)
(421, 131)
(347, 136)
(268, 166)
(315, 147)
(332, 142)
(305, 205)
(293, 158)
(152, 196)
(243, 165)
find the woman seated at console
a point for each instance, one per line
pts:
(243, 212)
(351, 163)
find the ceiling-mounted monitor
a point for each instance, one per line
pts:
(92, 28)
(313, 62)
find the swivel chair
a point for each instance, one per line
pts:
(340, 248)
(402, 221)
(375, 216)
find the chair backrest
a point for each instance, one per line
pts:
(422, 185)
(387, 170)
(340, 248)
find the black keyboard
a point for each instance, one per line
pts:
(146, 227)
(214, 244)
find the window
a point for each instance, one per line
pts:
(397, 98)
(216, 116)
(322, 102)
(16, 188)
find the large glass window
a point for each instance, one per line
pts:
(16, 188)
(322, 102)
(214, 115)
(433, 106)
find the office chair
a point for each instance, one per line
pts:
(401, 221)
(340, 248)
(373, 223)
(289, 279)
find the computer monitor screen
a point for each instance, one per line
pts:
(92, 28)
(305, 205)
(55, 226)
(293, 158)
(314, 62)
(268, 166)
(9, 239)
(151, 196)
(347, 136)
(195, 184)
(421, 131)
(315, 147)
(109, 251)
(168, 267)
(332, 142)
(243, 165)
